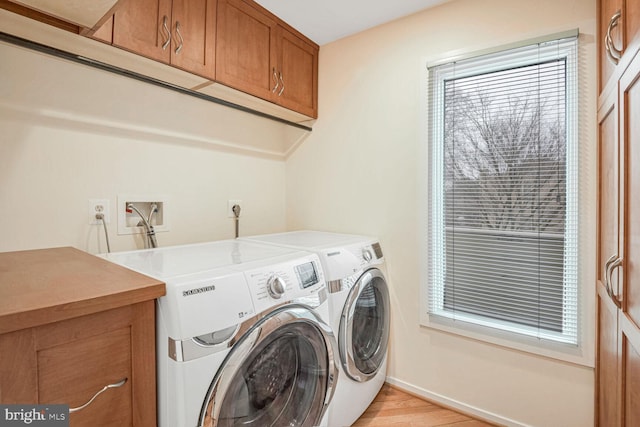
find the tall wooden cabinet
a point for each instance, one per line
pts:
(618, 36)
(618, 284)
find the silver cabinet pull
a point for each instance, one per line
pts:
(607, 46)
(281, 81)
(179, 48)
(609, 272)
(614, 54)
(167, 32)
(607, 263)
(105, 388)
(275, 80)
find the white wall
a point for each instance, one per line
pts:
(362, 170)
(69, 133)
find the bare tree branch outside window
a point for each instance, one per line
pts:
(505, 179)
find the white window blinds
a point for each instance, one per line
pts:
(503, 191)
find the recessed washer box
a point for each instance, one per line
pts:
(131, 223)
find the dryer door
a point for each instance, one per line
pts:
(364, 326)
(280, 373)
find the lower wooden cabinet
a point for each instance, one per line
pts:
(68, 362)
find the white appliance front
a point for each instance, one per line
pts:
(232, 351)
(360, 313)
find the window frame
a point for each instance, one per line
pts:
(433, 175)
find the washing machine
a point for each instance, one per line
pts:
(243, 335)
(359, 310)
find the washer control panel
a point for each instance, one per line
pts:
(285, 281)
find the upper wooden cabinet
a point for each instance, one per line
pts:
(618, 37)
(84, 13)
(178, 32)
(297, 60)
(245, 48)
(247, 55)
(260, 55)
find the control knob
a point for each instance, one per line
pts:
(367, 255)
(276, 286)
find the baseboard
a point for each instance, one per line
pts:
(447, 402)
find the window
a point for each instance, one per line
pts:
(503, 198)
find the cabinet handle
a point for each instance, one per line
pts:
(167, 32)
(179, 48)
(281, 81)
(608, 273)
(275, 80)
(105, 388)
(607, 46)
(614, 54)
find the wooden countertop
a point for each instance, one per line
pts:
(48, 285)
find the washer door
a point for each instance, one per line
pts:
(364, 326)
(280, 373)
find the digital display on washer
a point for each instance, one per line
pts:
(307, 274)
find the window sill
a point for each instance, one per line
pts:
(569, 353)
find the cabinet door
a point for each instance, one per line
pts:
(630, 292)
(105, 32)
(68, 362)
(71, 373)
(298, 63)
(193, 30)
(245, 48)
(142, 26)
(632, 22)
(630, 367)
(630, 136)
(607, 9)
(607, 380)
(609, 186)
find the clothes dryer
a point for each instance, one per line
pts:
(242, 335)
(359, 309)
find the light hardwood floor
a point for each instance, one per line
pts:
(396, 408)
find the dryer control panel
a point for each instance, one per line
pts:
(292, 280)
(344, 261)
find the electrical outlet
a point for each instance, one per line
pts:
(97, 206)
(230, 205)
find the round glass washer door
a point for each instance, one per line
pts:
(364, 326)
(280, 373)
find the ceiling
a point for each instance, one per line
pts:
(324, 21)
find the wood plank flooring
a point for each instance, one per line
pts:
(395, 408)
